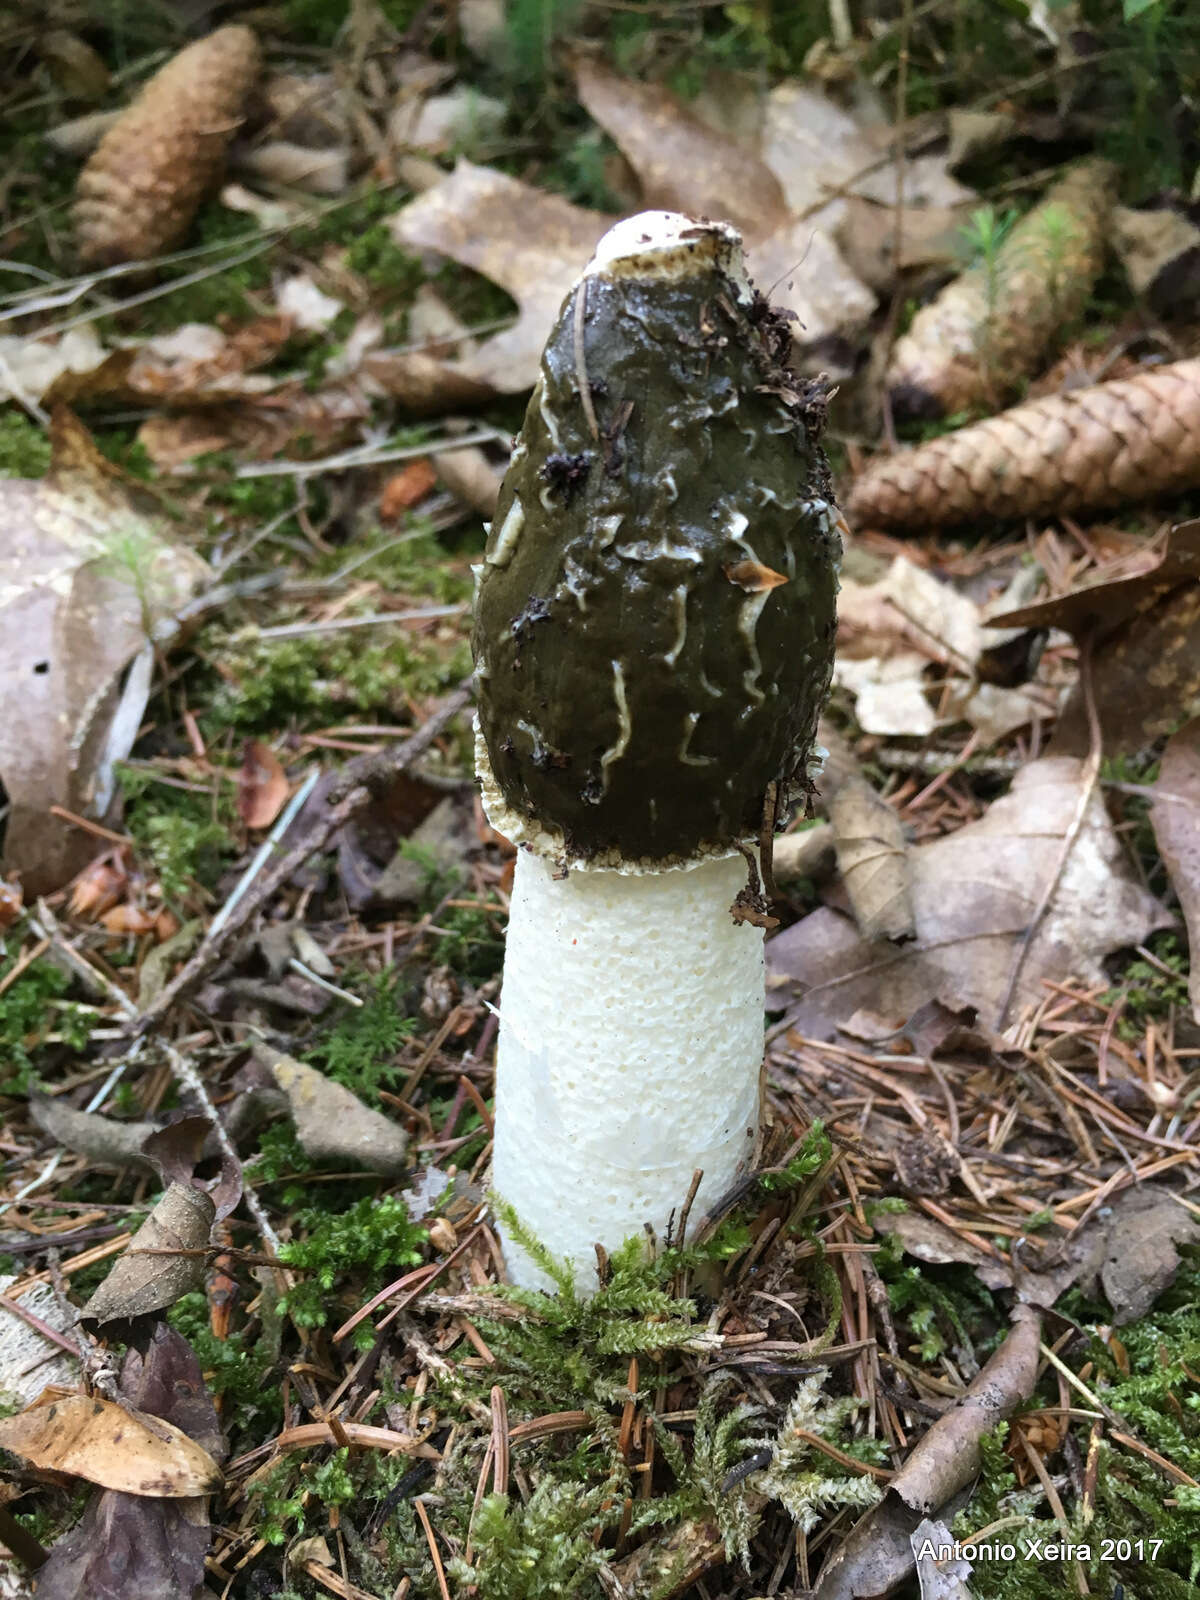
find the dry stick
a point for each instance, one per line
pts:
(1091, 772)
(360, 780)
(183, 1071)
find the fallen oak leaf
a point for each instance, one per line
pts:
(89, 583)
(682, 164)
(1145, 648)
(126, 1449)
(531, 243)
(1175, 818)
(262, 785)
(974, 893)
(164, 1541)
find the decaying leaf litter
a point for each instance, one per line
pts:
(253, 914)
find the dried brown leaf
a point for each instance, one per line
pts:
(104, 1141)
(333, 1124)
(974, 893)
(531, 243)
(109, 1444)
(141, 1282)
(407, 488)
(872, 856)
(1176, 821)
(262, 785)
(681, 163)
(1145, 657)
(164, 1541)
(86, 571)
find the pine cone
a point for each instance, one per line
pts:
(140, 190)
(1105, 445)
(989, 328)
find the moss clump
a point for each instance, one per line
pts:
(359, 1050)
(237, 1371)
(371, 1238)
(268, 685)
(177, 833)
(24, 447)
(27, 1015)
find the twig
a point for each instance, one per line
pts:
(358, 782)
(45, 924)
(365, 456)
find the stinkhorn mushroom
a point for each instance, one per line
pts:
(653, 640)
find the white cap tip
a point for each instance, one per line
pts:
(666, 245)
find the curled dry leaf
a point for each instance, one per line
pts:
(262, 785)
(1160, 251)
(1145, 657)
(88, 577)
(1176, 821)
(112, 1445)
(105, 1142)
(1127, 440)
(991, 326)
(141, 1282)
(164, 1541)
(974, 894)
(331, 1123)
(872, 857)
(141, 188)
(407, 488)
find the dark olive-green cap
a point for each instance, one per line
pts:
(655, 614)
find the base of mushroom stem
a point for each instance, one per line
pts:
(629, 1055)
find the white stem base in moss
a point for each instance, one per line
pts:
(631, 1038)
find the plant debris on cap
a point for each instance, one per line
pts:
(655, 614)
(139, 192)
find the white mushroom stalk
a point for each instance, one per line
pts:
(653, 640)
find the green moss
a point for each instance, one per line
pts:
(377, 258)
(24, 447)
(268, 684)
(359, 1051)
(1150, 994)
(373, 1237)
(26, 1016)
(238, 1372)
(472, 944)
(177, 834)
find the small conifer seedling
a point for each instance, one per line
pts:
(653, 640)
